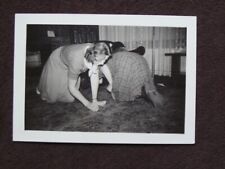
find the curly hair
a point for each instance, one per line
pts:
(89, 55)
(99, 48)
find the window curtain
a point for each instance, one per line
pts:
(156, 40)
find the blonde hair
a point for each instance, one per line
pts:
(102, 47)
(99, 47)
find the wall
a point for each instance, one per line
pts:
(39, 40)
(156, 40)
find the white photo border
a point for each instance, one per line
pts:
(19, 132)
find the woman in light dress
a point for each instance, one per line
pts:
(60, 78)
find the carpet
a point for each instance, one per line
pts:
(138, 116)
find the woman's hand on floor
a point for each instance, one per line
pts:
(99, 103)
(92, 106)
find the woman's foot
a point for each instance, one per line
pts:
(37, 91)
(156, 98)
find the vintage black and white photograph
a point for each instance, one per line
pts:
(104, 78)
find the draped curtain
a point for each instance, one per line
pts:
(156, 40)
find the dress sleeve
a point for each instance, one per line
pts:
(73, 73)
(75, 61)
(74, 68)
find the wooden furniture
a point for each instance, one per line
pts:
(177, 77)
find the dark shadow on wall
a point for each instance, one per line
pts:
(46, 38)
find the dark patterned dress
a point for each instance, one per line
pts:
(130, 73)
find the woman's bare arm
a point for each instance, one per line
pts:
(77, 94)
(105, 70)
(94, 87)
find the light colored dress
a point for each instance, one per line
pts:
(63, 63)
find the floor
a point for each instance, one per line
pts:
(138, 116)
